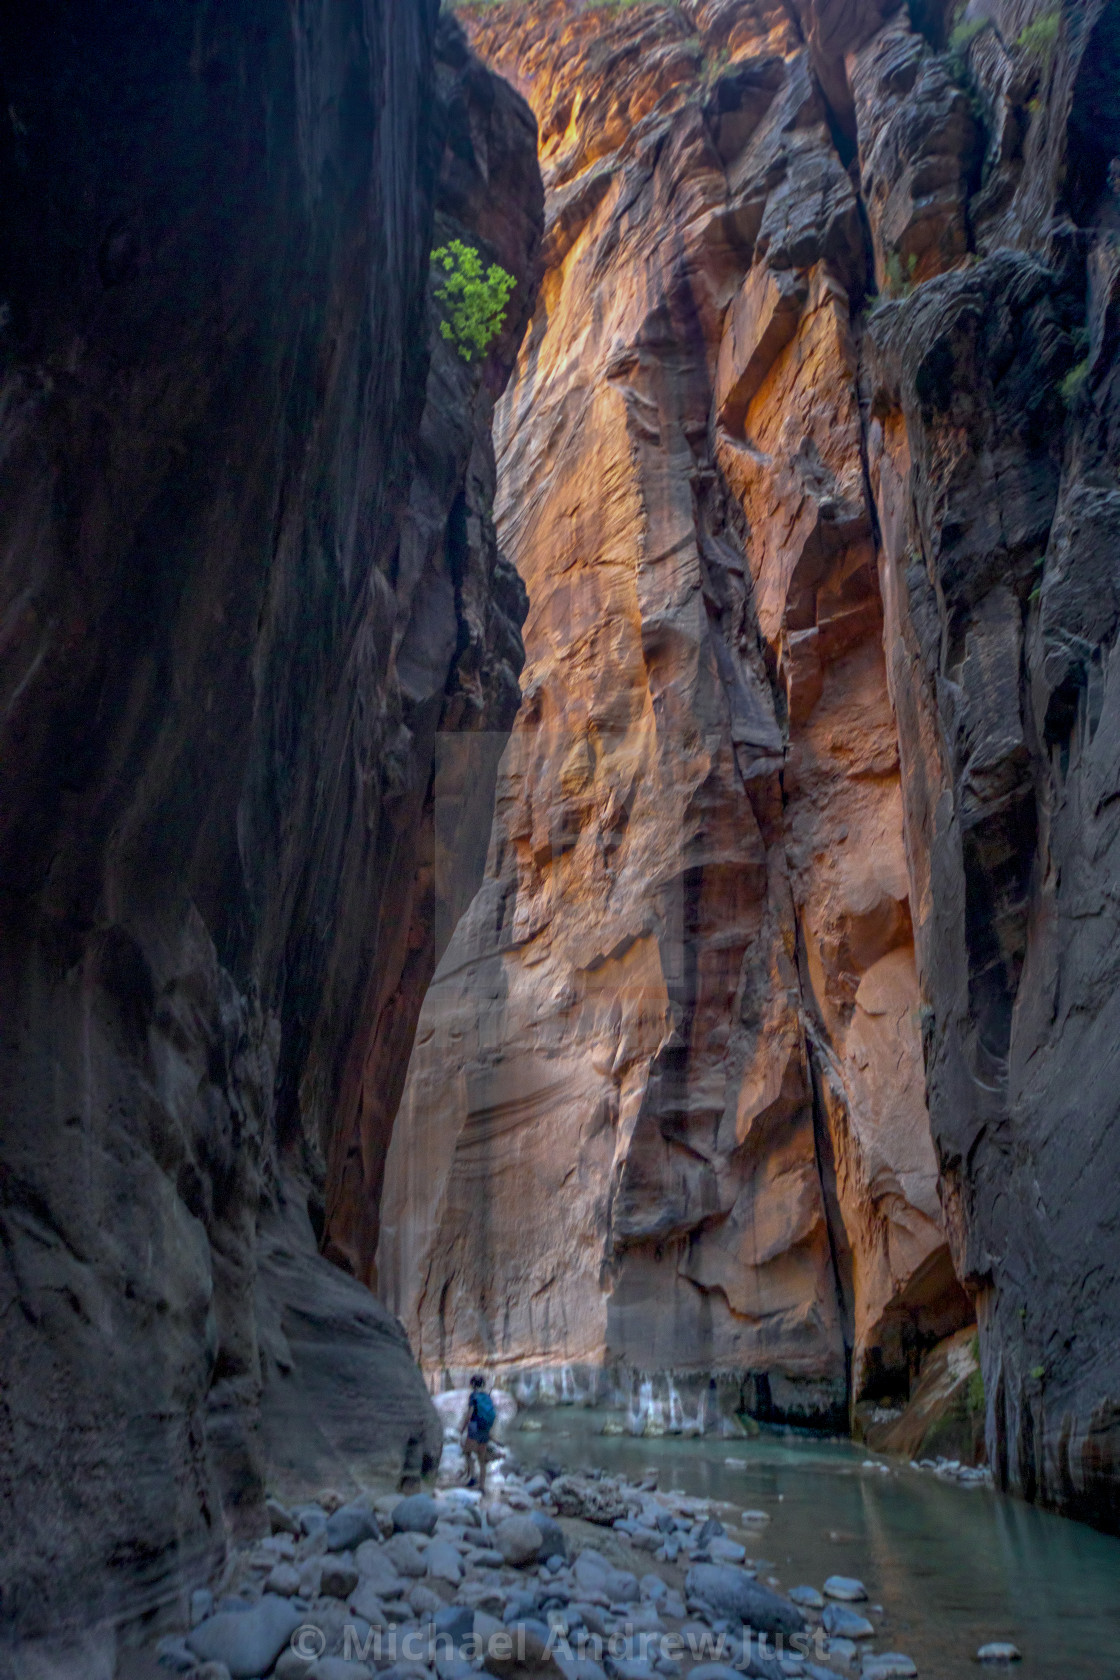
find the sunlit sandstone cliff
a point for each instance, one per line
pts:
(809, 469)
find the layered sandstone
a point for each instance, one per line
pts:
(782, 1030)
(670, 1077)
(248, 575)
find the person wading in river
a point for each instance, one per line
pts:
(478, 1421)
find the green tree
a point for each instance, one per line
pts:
(474, 300)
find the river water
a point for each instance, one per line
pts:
(952, 1567)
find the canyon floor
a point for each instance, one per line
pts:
(777, 1558)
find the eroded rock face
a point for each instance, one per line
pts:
(611, 1148)
(788, 1000)
(247, 574)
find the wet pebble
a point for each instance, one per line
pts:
(846, 1588)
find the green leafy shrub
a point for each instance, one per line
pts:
(977, 1400)
(1040, 38)
(474, 300)
(900, 281)
(1074, 383)
(964, 33)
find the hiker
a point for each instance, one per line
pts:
(478, 1421)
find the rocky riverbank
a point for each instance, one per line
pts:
(550, 1575)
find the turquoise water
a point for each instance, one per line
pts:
(953, 1568)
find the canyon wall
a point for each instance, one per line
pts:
(249, 581)
(776, 1043)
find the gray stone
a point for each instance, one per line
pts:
(375, 1566)
(999, 1651)
(519, 1540)
(807, 1597)
(722, 1550)
(338, 1577)
(423, 1600)
(845, 1587)
(841, 1623)
(202, 1605)
(366, 1601)
(418, 1514)
(444, 1562)
(284, 1579)
(732, 1592)
(843, 1650)
(889, 1665)
(349, 1527)
(621, 1587)
(210, 1671)
(280, 1519)
(405, 1556)
(248, 1642)
(553, 1542)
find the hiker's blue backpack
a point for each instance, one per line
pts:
(484, 1410)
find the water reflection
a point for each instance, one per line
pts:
(952, 1567)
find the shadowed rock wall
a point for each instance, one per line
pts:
(246, 577)
(787, 1002)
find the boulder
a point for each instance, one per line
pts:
(247, 1641)
(378, 1569)
(841, 1623)
(284, 1579)
(405, 1556)
(846, 1588)
(733, 1593)
(349, 1526)
(553, 1541)
(418, 1514)
(338, 1577)
(444, 1561)
(519, 1540)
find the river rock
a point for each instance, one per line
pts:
(518, 1539)
(999, 1651)
(731, 1592)
(284, 1579)
(841, 1623)
(522, 1652)
(846, 1588)
(405, 1556)
(722, 1550)
(202, 1605)
(554, 1545)
(595, 1502)
(280, 1519)
(349, 1526)
(807, 1597)
(375, 1566)
(888, 1665)
(444, 1561)
(248, 1642)
(418, 1514)
(423, 1600)
(338, 1577)
(338, 1668)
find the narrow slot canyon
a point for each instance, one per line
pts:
(559, 563)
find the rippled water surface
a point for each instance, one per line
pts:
(952, 1568)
